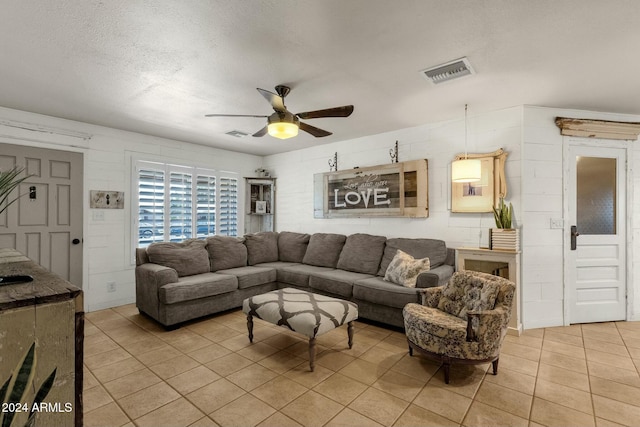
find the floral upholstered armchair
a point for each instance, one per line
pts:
(464, 321)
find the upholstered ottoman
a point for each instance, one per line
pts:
(303, 312)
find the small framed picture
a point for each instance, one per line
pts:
(261, 207)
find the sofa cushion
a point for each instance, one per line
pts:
(404, 269)
(377, 291)
(468, 292)
(226, 252)
(250, 276)
(435, 250)
(292, 246)
(299, 274)
(336, 282)
(279, 267)
(196, 287)
(262, 247)
(362, 253)
(324, 249)
(187, 258)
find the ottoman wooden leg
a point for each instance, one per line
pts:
(312, 353)
(250, 327)
(350, 333)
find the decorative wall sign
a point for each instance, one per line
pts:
(481, 196)
(99, 199)
(399, 189)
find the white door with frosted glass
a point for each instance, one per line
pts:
(596, 257)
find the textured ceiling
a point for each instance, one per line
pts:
(157, 67)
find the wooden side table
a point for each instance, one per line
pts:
(488, 261)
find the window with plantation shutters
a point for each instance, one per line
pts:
(228, 206)
(174, 203)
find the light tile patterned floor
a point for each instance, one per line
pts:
(208, 374)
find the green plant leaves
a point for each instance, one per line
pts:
(8, 182)
(503, 215)
(20, 382)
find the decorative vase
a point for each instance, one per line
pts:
(505, 239)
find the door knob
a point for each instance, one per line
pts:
(75, 241)
(574, 235)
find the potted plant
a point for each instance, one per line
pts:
(9, 180)
(504, 237)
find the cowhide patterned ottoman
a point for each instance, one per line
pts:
(303, 312)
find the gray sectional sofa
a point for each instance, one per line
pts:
(176, 282)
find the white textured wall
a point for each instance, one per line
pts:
(534, 175)
(107, 166)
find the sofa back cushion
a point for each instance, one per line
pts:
(261, 247)
(435, 250)
(469, 291)
(186, 258)
(292, 246)
(226, 252)
(361, 253)
(324, 249)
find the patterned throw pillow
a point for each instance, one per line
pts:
(404, 269)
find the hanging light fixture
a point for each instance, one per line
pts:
(466, 170)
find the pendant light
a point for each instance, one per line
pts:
(466, 170)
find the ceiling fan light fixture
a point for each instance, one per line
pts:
(282, 130)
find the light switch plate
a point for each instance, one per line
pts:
(557, 223)
(98, 215)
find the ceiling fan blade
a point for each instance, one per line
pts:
(276, 101)
(344, 111)
(261, 132)
(317, 132)
(233, 115)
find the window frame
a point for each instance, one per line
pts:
(167, 168)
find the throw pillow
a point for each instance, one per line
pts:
(404, 269)
(226, 252)
(292, 246)
(324, 249)
(262, 247)
(187, 258)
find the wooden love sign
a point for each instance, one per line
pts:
(398, 189)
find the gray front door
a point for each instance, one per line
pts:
(46, 222)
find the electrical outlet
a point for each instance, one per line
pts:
(557, 223)
(111, 286)
(98, 215)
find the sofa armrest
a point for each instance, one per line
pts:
(149, 279)
(436, 277)
(491, 327)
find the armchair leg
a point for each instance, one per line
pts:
(495, 366)
(446, 368)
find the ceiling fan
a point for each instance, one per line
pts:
(283, 124)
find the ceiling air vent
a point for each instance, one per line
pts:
(449, 71)
(237, 133)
